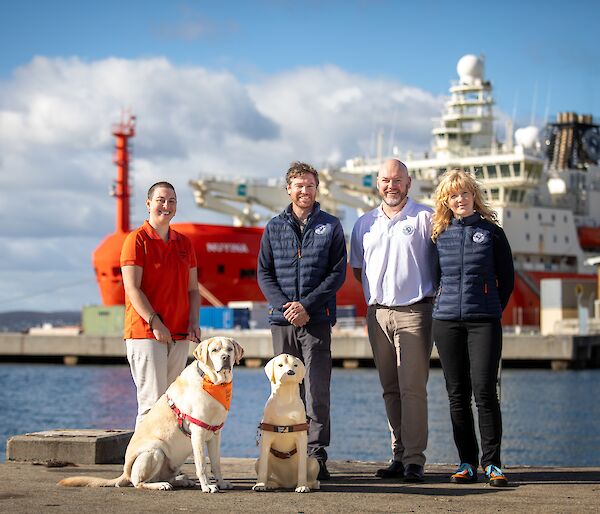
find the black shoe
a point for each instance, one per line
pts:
(414, 473)
(394, 470)
(323, 473)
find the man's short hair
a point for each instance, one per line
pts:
(297, 169)
(160, 184)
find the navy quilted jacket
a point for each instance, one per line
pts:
(477, 273)
(308, 267)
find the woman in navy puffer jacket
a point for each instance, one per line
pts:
(476, 281)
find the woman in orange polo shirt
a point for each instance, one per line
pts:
(162, 301)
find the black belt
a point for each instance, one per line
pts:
(426, 299)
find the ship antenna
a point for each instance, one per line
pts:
(534, 104)
(548, 95)
(515, 104)
(393, 131)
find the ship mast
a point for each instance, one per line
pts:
(467, 126)
(122, 132)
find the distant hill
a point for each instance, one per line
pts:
(21, 321)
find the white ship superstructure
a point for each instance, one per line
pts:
(540, 223)
(544, 191)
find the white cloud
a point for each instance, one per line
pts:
(56, 147)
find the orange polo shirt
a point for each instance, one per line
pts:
(165, 279)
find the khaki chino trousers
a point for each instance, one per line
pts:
(154, 367)
(401, 341)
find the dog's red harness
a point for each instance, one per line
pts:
(181, 416)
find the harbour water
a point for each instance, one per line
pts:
(550, 418)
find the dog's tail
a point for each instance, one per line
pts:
(83, 481)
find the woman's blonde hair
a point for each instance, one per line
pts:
(453, 181)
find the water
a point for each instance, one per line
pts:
(550, 418)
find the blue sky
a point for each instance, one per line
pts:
(240, 88)
(549, 45)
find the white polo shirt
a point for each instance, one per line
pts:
(397, 257)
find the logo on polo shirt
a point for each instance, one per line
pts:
(478, 237)
(321, 229)
(408, 230)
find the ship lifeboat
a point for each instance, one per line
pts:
(589, 238)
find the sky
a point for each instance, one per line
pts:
(240, 89)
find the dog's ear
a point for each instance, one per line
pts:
(201, 351)
(239, 351)
(270, 370)
(301, 369)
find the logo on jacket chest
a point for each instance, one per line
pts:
(320, 229)
(478, 237)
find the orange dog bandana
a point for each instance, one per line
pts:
(221, 393)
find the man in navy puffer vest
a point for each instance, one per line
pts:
(301, 266)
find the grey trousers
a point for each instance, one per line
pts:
(312, 345)
(401, 341)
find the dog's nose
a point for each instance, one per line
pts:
(291, 372)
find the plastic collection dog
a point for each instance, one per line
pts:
(283, 460)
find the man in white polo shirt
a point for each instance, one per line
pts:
(392, 255)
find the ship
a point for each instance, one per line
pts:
(226, 255)
(544, 185)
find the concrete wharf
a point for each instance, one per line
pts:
(350, 348)
(28, 488)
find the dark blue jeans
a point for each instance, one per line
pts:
(470, 353)
(312, 345)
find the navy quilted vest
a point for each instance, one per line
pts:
(468, 287)
(301, 265)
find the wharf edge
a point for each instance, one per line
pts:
(350, 348)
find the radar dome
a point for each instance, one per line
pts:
(470, 68)
(527, 137)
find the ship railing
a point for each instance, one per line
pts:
(258, 181)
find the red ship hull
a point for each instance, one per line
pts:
(227, 259)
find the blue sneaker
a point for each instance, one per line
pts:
(465, 474)
(495, 477)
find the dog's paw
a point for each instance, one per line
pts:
(210, 488)
(156, 486)
(259, 487)
(186, 482)
(224, 484)
(303, 489)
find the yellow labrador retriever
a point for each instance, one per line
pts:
(284, 460)
(187, 417)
